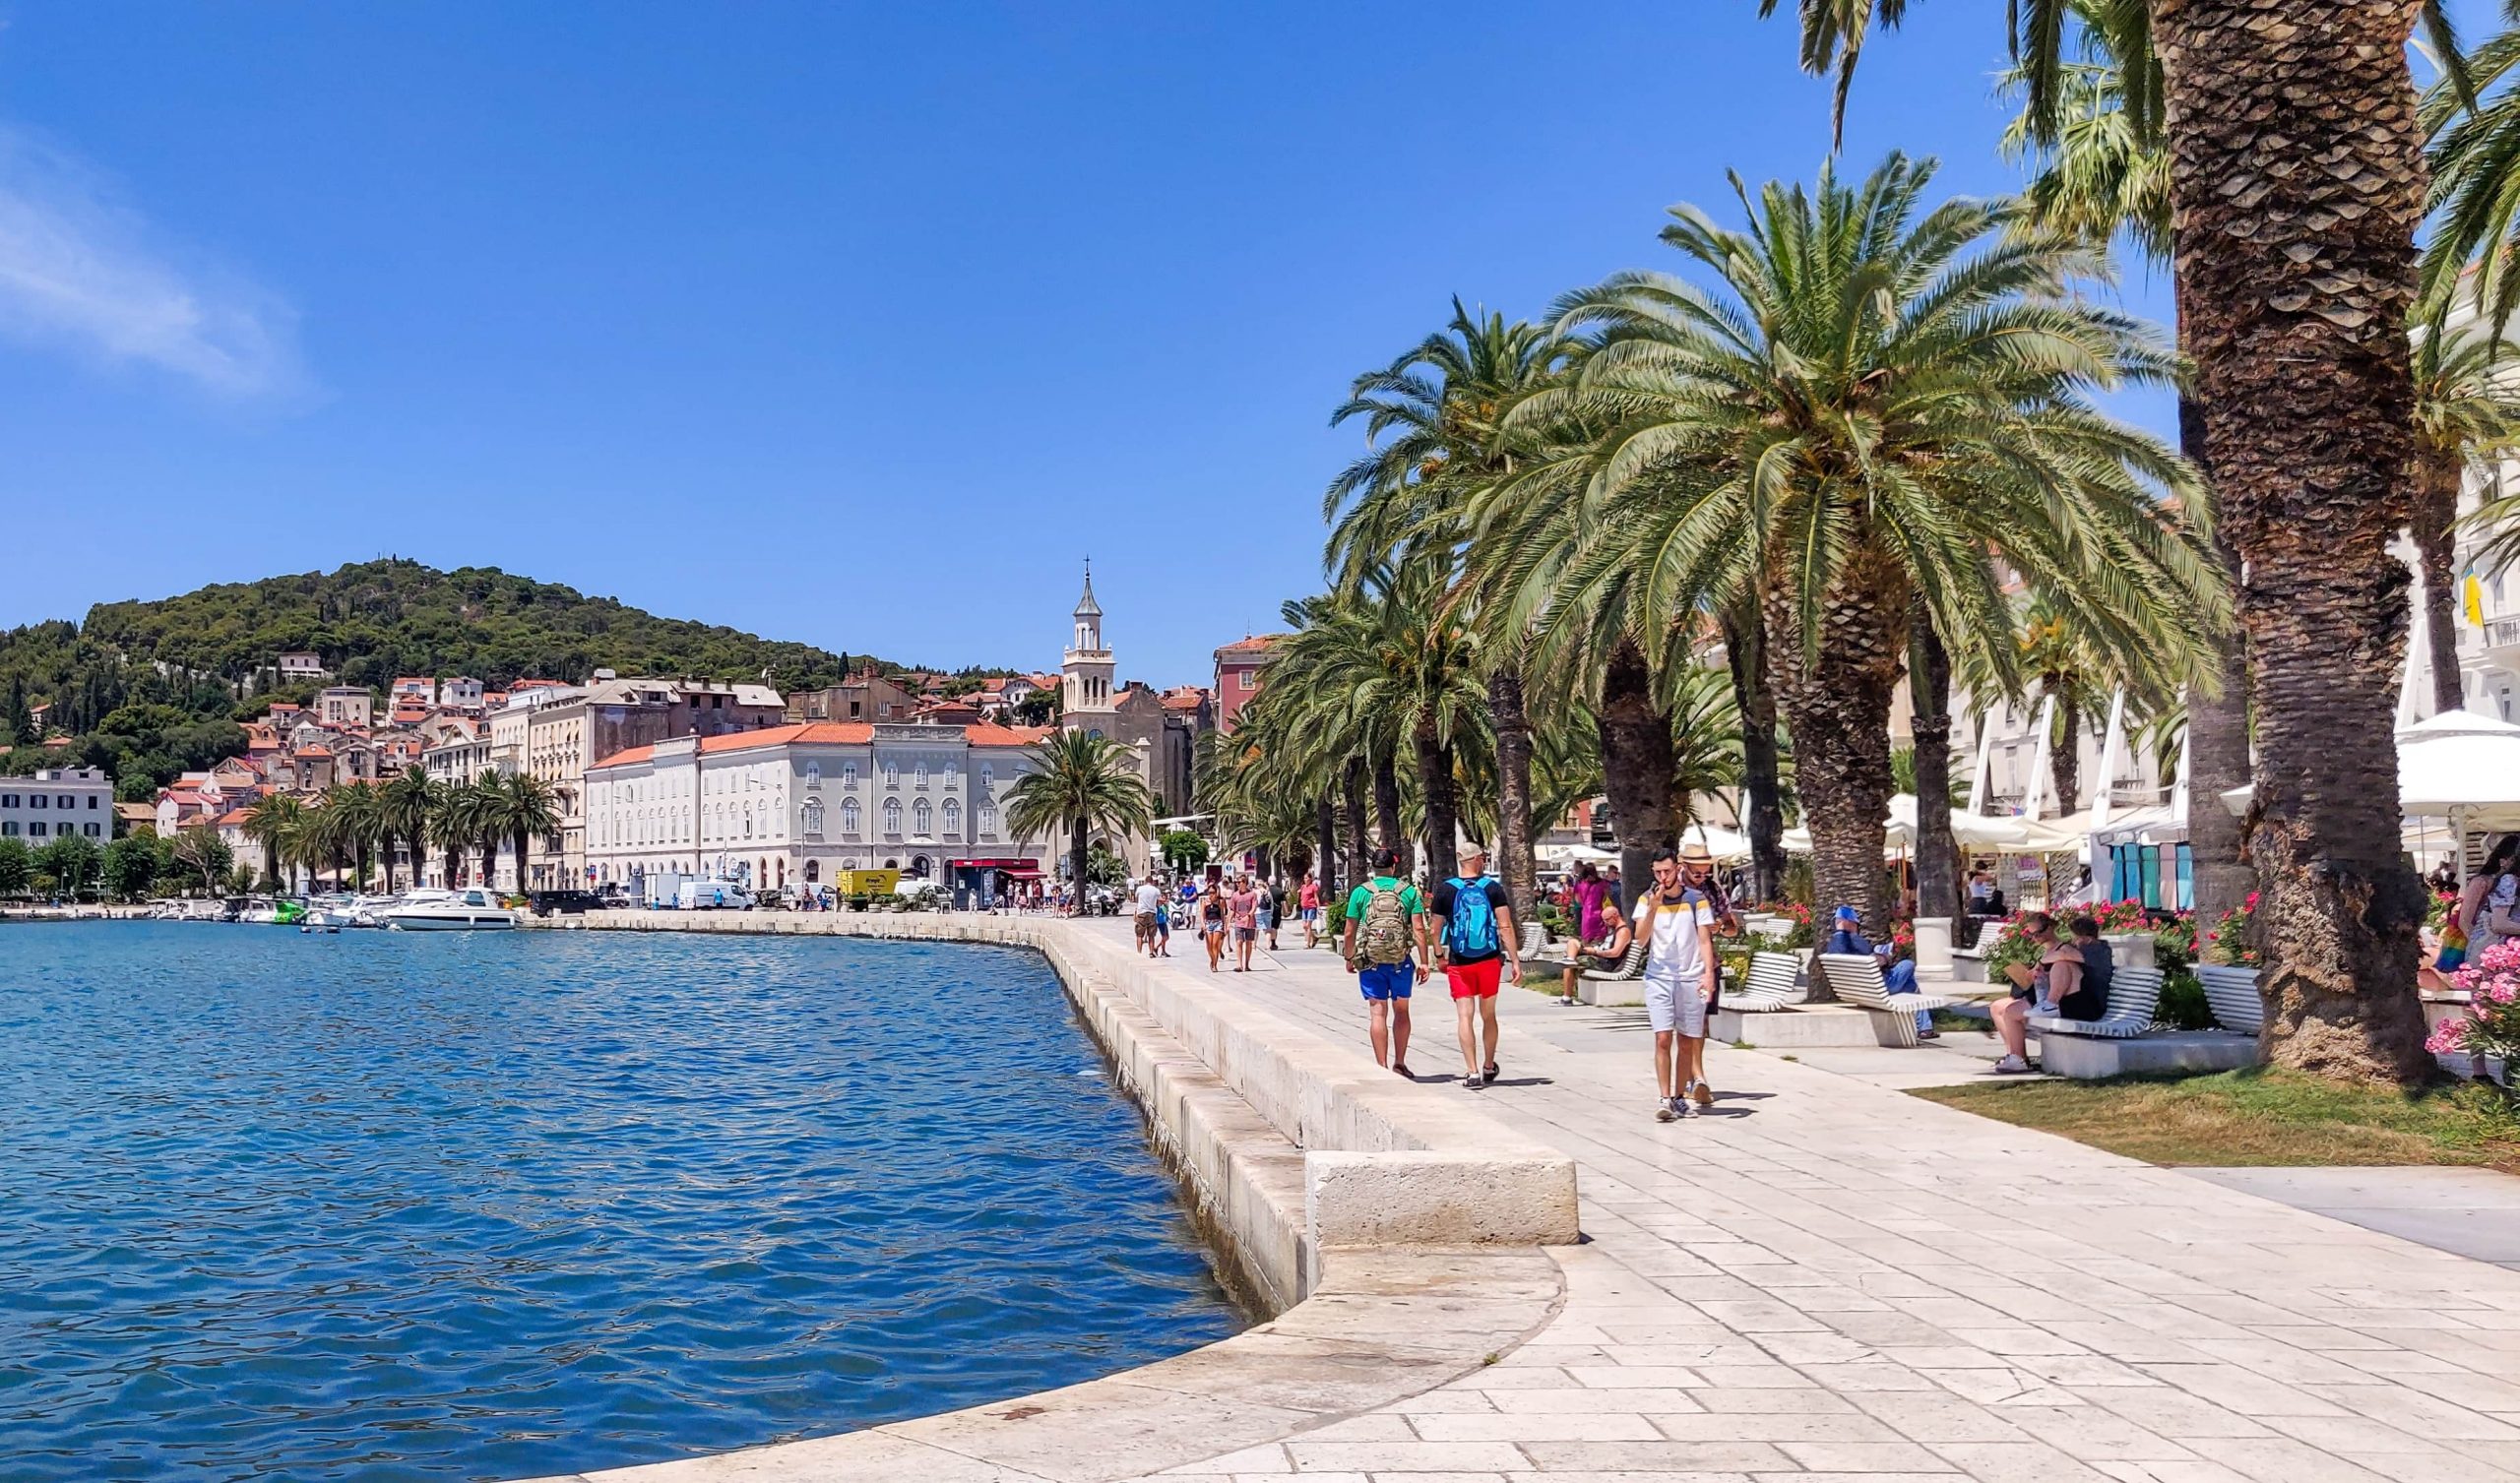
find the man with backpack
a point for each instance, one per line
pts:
(1385, 943)
(1477, 918)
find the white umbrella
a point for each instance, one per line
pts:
(1571, 853)
(1721, 842)
(1981, 830)
(2463, 766)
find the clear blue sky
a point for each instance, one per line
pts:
(848, 322)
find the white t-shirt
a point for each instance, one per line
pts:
(1150, 897)
(1673, 930)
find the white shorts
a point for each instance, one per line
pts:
(1676, 1006)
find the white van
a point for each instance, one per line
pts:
(712, 895)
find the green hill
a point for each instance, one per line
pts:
(210, 653)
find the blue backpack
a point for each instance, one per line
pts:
(1471, 932)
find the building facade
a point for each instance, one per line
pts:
(1238, 668)
(57, 801)
(791, 806)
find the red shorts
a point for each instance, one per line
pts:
(1477, 981)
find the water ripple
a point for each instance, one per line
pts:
(384, 1206)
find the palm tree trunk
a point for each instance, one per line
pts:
(1388, 833)
(2434, 527)
(1439, 796)
(270, 859)
(385, 849)
(1930, 700)
(1514, 824)
(1079, 848)
(1637, 765)
(1836, 708)
(522, 885)
(2298, 270)
(1744, 654)
(490, 860)
(1353, 786)
(1325, 842)
(2065, 758)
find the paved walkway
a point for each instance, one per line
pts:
(1827, 1279)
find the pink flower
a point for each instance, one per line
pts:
(2449, 1035)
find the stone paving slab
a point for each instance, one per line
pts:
(1829, 1281)
(2473, 1213)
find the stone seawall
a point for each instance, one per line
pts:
(1290, 1145)
(1395, 1247)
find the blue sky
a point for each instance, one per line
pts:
(848, 322)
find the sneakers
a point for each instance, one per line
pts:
(1473, 1080)
(2012, 1065)
(1667, 1109)
(1702, 1094)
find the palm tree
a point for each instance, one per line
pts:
(452, 825)
(327, 836)
(361, 821)
(2475, 159)
(517, 807)
(270, 823)
(2465, 415)
(1077, 783)
(1883, 405)
(1433, 420)
(404, 808)
(2297, 276)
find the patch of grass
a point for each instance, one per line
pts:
(1953, 1020)
(2258, 1117)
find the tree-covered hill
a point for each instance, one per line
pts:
(210, 654)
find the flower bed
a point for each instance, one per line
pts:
(2491, 1028)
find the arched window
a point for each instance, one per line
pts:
(921, 815)
(919, 778)
(813, 774)
(813, 817)
(747, 820)
(989, 774)
(989, 821)
(849, 816)
(892, 773)
(813, 872)
(953, 818)
(892, 816)
(848, 774)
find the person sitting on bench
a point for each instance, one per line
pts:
(1602, 955)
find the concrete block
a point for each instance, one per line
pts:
(1611, 993)
(1427, 1199)
(1814, 1024)
(2087, 1057)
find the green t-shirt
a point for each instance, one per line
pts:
(1362, 896)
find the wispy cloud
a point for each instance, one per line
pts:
(82, 272)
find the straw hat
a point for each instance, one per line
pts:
(1694, 853)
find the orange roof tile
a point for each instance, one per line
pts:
(989, 734)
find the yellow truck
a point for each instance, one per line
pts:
(868, 881)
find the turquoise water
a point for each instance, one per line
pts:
(384, 1206)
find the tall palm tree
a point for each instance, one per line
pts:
(1078, 784)
(1434, 426)
(362, 820)
(1880, 405)
(2472, 118)
(517, 808)
(2466, 417)
(453, 807)
(270, 823)
(404, 808)
(327, 836)
(2296, 274)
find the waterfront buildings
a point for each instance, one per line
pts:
(792, 804)
(57, 801)
(1238, 668)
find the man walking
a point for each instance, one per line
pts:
(1680, 978)
(1149, 896)
(1477, 924)
(1243, 908)
(1384, 943)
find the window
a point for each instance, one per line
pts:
(953, 818)
(813, 774)
(989, 821)
(813, 816)
(92, 830)
(35, 829)
(1247, 677)
(922, 817)
(989, 774)
(8, 826)
(813, 872)
(34, 800)
(91, 800)
(892, 816)
(919, 778)
(849, 816)
(892, 773)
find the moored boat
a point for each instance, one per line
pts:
(470, 909)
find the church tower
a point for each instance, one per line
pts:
(1086, 701)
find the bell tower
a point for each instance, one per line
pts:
(1086, 702)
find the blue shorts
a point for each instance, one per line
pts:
(1386, 980)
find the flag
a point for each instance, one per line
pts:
(2471, 597)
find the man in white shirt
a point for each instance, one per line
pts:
(1678, 920)
(1146, 897)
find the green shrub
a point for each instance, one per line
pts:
(2183, 1006)
(1334, 914)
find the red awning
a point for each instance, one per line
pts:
(1021, 873)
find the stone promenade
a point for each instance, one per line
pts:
(1826, 1279)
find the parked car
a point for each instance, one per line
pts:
(568, 902)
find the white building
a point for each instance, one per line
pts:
(301, 664)
(793, 805)
(57, 801)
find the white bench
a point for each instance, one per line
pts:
(1968, 964)
(1856, 977)
(1775, 983)
(1589, 985)
(2134, 996)
(2232, 994)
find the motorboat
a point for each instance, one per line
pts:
(472, 908)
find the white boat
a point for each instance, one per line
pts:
(468, 909)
